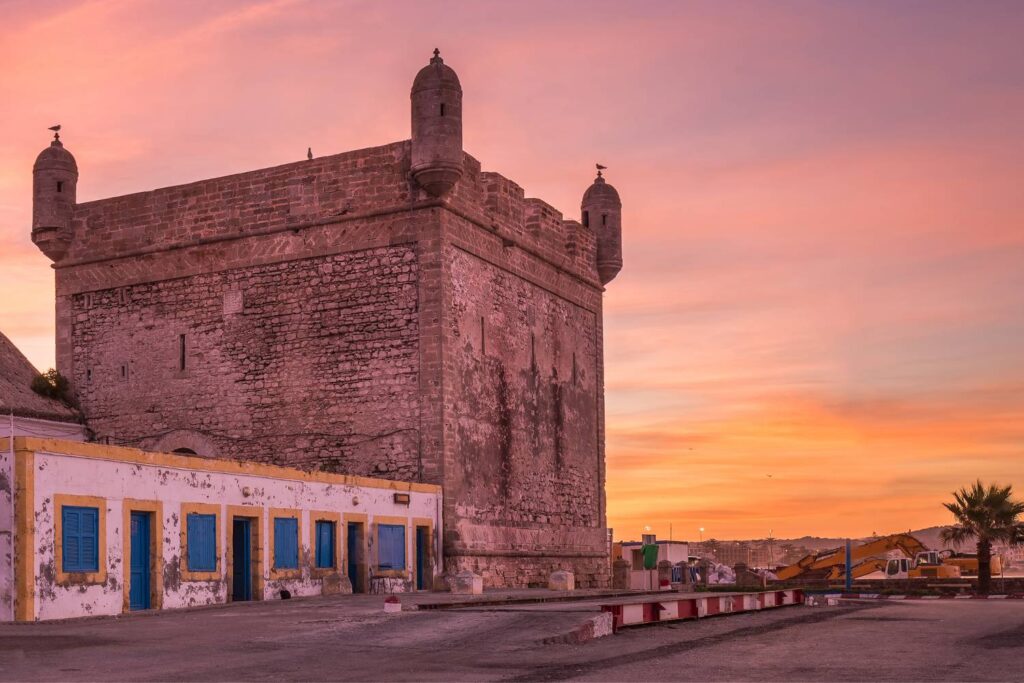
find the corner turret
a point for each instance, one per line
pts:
(436, 127)
(54, 184)
(602, 213)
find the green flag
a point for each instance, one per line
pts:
(650, 556)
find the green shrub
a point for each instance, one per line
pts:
(51, 384)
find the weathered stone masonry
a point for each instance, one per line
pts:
(337, 334)
(394, 312)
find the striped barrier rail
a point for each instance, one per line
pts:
(650, 610)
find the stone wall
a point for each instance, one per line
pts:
(522, 385)
(331, 314)
(523, 392)
(242, 205)
(312, 362)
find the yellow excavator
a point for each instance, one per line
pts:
(865, 558)
(937, 564)
(968, 562)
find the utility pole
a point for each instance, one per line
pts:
(849, 567)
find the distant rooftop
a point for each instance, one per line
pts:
(16, 395)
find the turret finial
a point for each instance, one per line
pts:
(56, 131)
(437, 57)
(599, 169)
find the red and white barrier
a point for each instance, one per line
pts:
(647, 610)
(879, 596)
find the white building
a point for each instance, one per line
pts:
(92, 529)
(673, 551)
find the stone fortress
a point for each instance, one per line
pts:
(393, 312)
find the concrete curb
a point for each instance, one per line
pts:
(566, 596)
(597, 626)
(879, 596)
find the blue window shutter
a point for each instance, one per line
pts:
(293, 542)
(71, 546)
(384, 543)
(194, 542)
(391, 546)
(80, 538)
(90, 547)
(209, 526)
(286, 543)
(279, 543)
(293, 534)
(202, 542)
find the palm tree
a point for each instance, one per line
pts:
(986, 515)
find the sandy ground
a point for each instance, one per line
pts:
(350, 638)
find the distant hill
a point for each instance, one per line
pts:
(929, 536)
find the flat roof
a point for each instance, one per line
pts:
(99, 451)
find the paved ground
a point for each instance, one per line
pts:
(350, 638)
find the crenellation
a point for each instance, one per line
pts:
(240, 204)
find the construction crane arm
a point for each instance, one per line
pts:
(833, 561)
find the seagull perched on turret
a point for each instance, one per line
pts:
(309, 153)
(599, 169)
(56, 131)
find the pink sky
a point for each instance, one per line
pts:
(823, 221)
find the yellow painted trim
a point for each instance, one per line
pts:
(201, 509)
(79, 578)
(363, 566)
(286, 513)
(323, 516)
(255, 513)
(156, 550)
(397, 521)
(25, 536)
(428, 581)
(177, 460)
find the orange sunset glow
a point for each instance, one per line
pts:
(818, 326)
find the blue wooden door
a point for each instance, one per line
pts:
(354, 553)
(138, 595)
(241, 569)
(422, 545)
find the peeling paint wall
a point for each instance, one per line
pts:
(63, 474)
(6, 532)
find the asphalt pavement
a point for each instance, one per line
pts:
(351, 638)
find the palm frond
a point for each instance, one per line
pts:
(986, 513)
